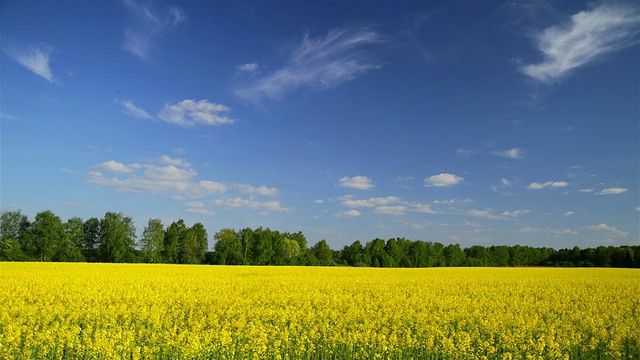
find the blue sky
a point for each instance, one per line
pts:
(473, 123)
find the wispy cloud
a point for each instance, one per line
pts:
(443, 180)
(515, 153)
(483, 214)
(130, 109)
(35, 58)
(188, 113)
(390, 210)
(474, 151)
(259, 190)
(72, 205)
(547, 185)
(515, 213)
(356, 182)
(564, 232)
(250, 67)
(371, 202)
(152, 23)
(253, 204)
(589, 35)
(320, 62)
(612, 191)
(348, 213)
(610, 229)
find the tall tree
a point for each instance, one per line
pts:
(323, 253)
(118, 238)
(152, 241)
(228, 247)
(173, 238)
(192, 245)
(48, 235)
(91, 239)
(454, 255)
(14, 236)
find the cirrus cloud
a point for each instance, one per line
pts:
(588, 36)
(321, 62)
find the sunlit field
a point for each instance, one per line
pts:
(57, 310)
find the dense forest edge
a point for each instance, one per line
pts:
(113, 239)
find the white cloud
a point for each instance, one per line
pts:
(176, 180)
(586, 190)
(390, 210)
(356, 182)
(130, 109)
(514, 153)
(515, 213)
(260, 190)
(483, 214)
(569, 213)
(588, 36)
(505, 182)
(248, 67)
(371, 202)
(443, 180)
(348, 213)
(530, 230)
(194, 204)
(452, 201)
(191, 112)
(200, 211)
(471, 224)
(115, 167)
(318, 201)
(239, 202)
(322, 62)
(604, 227)
(166, 159)
(36, 58)
(423, 208)
(548, 184)
(72, 205)
(612, 191)
(152, 23)
(564, 232)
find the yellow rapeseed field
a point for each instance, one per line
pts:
(105, 311)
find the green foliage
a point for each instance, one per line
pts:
(152, 241)
(118, 238)
(112, 239)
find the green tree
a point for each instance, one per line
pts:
(323, 253)
(173, 237)
(70, 247)
(14, 236)
(263, 249)
(91, 239)
(118, 238)
(454, 255)
(48, 234)
(291, 250)
(192, 245)
(152, 241)
(246, 239)
(228, 247)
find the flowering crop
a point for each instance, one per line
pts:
(100, 311)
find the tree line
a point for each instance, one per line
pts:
(113, 239)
